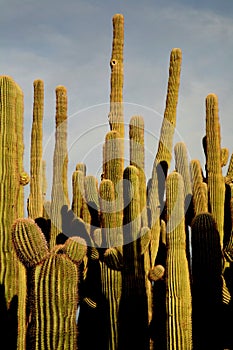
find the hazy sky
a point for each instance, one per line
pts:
(69, 43)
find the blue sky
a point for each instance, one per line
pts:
(69, 43)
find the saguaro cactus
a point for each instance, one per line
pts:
(178, 298)
(35, 200)
(164, 153)
(134, 305)
(60, 163)
(11, 204)
(116, 117)
(215, 180)
(53, 286)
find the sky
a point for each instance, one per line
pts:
(69, 43)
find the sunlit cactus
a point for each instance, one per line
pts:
(60, 164)
(116, 117)
(178, 297)
(215, 180)
(35, 200)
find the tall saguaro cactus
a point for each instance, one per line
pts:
(11, 204)
(60, 164)
(116, 117)
(216, 185)
(178, 298)
(35, 200)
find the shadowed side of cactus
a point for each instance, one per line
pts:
(206, 283)
(59, 195)
(178, 293)
(35, 200)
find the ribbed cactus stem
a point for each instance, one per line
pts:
(137, 158)
(81, 167)
(199, 188)
(78, 192)
(35, 201)
(182, 167)
(216, 185)
(116, 117)
(24, 177)
(29, 242)
(224, 156)
(108, 213)
(50, 302)
(169, 122)
(91, 190)
(11, 206)
(178, 295)
(112, 264)
(75, 248)
(113, 170)
(60, 164)
(9, 184)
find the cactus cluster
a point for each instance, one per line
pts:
(131, 263)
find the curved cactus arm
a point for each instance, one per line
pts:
(29, 242)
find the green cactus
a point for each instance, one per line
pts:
(199, 187)
(178, 295)
(11, 205)
(78, 192)
(137, 158)
(113, 168)
(215, 180)
(60, 163)
(116, 117)
(35, 200)
(52, 309)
